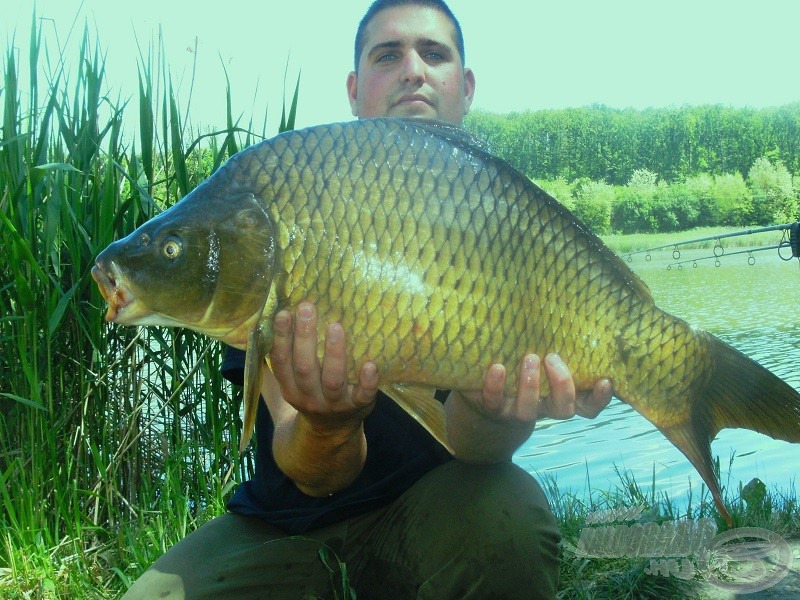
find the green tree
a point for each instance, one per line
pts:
(675, 208)
(774, 199)
(633, 210)
(593, 204)
(559, 189)
(733, 200)
(701, 188)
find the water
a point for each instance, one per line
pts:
(753, 308)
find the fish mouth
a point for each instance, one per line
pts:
(115, 293)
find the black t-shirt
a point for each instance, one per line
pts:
(399, 452)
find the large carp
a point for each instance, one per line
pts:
(439, 259)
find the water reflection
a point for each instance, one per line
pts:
(753, 308)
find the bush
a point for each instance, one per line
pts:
(675, 207)
(733, 200)
(593, 205)
(633, 212)
(774, 199)
(701, 188)
(560, 190)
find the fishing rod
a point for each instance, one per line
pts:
(790, 240)
(751, 260)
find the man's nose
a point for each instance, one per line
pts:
(414, 68)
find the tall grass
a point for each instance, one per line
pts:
(102, 429)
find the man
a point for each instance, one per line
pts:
(348, 469)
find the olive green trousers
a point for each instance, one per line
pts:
(462, 531)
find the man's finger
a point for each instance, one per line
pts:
(280, 356)
(304, 351)
(493, 385)
(590, 404)
(526, 406)
(367, 387)
(561, 402)
(334, 364)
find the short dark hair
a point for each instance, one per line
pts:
(379, 5)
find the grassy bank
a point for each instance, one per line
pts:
(582, 577)
(117, 442)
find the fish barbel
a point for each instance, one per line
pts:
(439, 260)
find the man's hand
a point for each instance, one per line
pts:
(489, 426)
(320, 392)
(562, 403)
(319, 439)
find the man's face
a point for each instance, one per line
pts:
(410, 67)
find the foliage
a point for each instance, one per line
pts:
(606, 144)
(669, 169)
(731, 200)
(633, 211)
(648, 204)
(594, 203)
(774, 198)
(560, 189)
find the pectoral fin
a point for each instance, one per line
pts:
(259, 343)
(419, 402)
(254, 364)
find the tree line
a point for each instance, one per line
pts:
(664, 169)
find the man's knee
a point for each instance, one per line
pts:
(487, 527)
(501, 504)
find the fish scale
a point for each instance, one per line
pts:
(439, 260)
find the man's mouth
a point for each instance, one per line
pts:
(412, 98)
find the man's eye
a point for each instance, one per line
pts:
(436, 56)
(386, 57)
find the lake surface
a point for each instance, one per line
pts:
(753, 308)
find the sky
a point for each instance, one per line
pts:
(526, 54)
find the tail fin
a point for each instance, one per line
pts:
(741, 394)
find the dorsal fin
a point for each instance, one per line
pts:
(458, 136)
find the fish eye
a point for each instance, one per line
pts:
(171, 249)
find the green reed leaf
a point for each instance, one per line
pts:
(22, 248)
(290, 121)
(146, 122)
(58, 312)
(25, 401)
(230, 140)
(176, 138)
(57, 167)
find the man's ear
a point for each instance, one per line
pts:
(469, 88)
(352, 92)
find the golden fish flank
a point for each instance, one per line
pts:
(438, 259)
